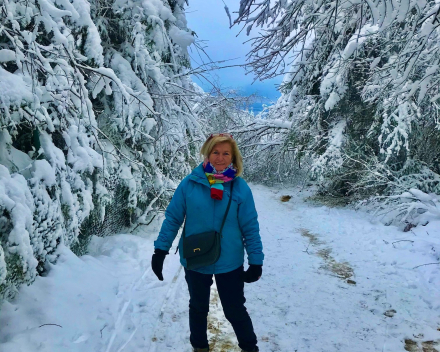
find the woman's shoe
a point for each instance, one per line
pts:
(254, 350)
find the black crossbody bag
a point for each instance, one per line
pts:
(204, 249)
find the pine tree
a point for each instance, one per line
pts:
(96, 123)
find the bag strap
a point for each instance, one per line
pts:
(224, 218)
(223, 222)
(227, 209)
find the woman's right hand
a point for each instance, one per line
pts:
(157, 262)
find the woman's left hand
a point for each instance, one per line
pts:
(253, 273)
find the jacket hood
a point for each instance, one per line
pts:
(198, 175)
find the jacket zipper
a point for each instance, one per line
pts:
(198, 180)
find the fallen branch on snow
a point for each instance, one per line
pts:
(418, 266)
(50, 324)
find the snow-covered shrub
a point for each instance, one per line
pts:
(406, 210)
(47, 228)
(17, 262)
(408, 197)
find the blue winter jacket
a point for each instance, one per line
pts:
(192, 199)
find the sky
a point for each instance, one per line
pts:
(208, 19)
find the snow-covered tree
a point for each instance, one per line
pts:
(222, 111)
(361, 86)
(96, 124)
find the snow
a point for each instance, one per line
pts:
(148, 124)
(14, 89)
(421, 195)
(50, 9)
(332, 158)
(358, 39)
(43, 171)
(6, 55)
(81, 156)
(16, 199)
(375, 62)
(126, 175)
(418, 202)
(93, 47)
(328, 42)
(228, 13)
(3, 271)
(99, 86)
(333, 84)
(111, 301)
(332, 100)
(158, 9)
(181, 37)
(401, 118)
(52, 153)
(278, 123)
(79, 12)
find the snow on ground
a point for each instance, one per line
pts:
(333, 281)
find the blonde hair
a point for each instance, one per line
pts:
(211, 142)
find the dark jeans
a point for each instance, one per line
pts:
(230, 288)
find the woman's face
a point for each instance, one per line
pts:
(221, 156)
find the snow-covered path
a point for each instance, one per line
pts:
(332, 282)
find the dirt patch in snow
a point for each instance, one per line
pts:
(220, 334)
(342, 270)
(285, 198)
(313, 239)
(328, 200)
(426, 346)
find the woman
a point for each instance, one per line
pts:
(201, 200)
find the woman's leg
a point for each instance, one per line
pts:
(199, 289)
(230, 288)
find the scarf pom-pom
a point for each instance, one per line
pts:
(217, 191)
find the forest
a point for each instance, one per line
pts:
(100, 118)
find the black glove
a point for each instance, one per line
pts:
(253, 273)
(157, 262)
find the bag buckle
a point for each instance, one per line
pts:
(196, 249)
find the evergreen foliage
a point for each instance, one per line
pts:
(360, 97)
(96, 126)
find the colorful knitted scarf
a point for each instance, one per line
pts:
(216, 179)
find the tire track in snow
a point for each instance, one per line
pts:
(126, 302)
(159, 321)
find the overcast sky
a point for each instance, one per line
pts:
(209, 20)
